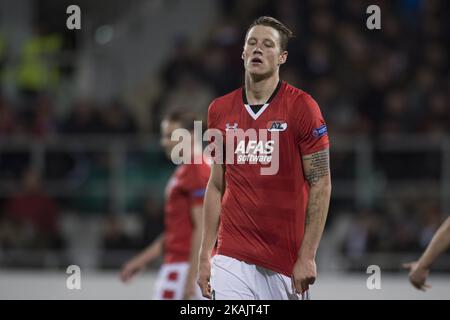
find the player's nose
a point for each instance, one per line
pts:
(257, 50)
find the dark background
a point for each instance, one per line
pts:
(82, 174)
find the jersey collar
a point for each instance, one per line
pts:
(265, 105)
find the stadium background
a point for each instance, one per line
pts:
(82, 174)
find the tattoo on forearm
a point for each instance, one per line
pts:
(319, 166)
(313, 206)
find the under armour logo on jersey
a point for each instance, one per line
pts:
(276, 125)
(231, 127)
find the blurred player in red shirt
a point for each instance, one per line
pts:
(267, 227)
(180, 240)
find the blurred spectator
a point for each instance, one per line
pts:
(189, 94)
(81, 120)
(436, 117)
(396, 114)
(364, 235)
(430, 221)
(114, 235)
(181, 61)
(7, 119)
(116, 120)
(38, 69)
(31, 210)
(44, 122)
(115, 242)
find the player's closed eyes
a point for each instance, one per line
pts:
(268, 44)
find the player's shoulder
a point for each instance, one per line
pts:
(223, 102)
(301, 100)
(295, 93)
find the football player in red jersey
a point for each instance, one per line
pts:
(267, 227)
(180, 241)
(419, 270)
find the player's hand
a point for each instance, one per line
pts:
(303, 275)
(204, 276)
(417, 275)
(130, 269)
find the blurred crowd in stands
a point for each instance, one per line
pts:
(370, 82)
(394, 80)
(38, 120)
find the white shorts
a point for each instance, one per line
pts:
(232, 279)
(171, 281)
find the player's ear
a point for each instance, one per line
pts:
(242, 55)
(283, 58)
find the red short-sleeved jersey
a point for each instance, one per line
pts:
(263, 216)
(185, 189)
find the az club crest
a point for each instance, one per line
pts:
(277, 125)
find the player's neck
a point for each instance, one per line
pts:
(259, 91)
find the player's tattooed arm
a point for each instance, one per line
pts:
(316, 166)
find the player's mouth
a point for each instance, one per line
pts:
(256, 61)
